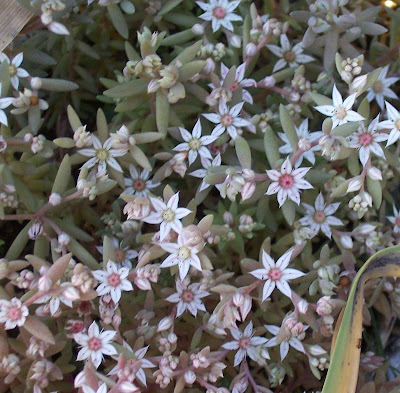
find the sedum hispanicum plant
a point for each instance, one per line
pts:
(188, 190)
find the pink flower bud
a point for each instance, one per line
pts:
(302, 306)
(238, 299)
(374, 173)
(346, 241)
(355, 184)
(44, 284)
(248, 190)
(190, 377)
(165, 324)
(251, 49)
(71, 293)
(210, 66)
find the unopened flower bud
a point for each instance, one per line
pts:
(210, 66)
(251, 49)
(190, 377)
(36, 83)
(55, 199)
(238, 299)
(198, 29)
(346, 241)
(235, 41)
(374, 173)
(354, 184)
(165, 324)
(35, 230)
(44, 284)
(302, 306)
(269, 81)
(71, 293)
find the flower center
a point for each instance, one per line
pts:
(289, 56)
(235, 86)
(397, 222)
(139, 185)
(286, 181)
(226, 120)
(219, 13)
(114, 280)
(13, 69)
(366, 139)
(244, 343)
(14, 313)
(377, 87)
(184, 253)
(187, 296)
(319, 217)
(102, 154)
(168, 215)
(119, 255)
(341, 113)
(194, 144)
(94, 344)
(33, 100)
(274, 274)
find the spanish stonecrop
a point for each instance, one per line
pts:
(188, 190)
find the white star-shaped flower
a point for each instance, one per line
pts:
(16, 71)
(122, 254)
(102, 155)
(287, 182)
(188, 297)
(285, 344)
(380, 89)
(395, 219)
(56, 298)
(288, 55)
(168, 215)
(113, 281)
(276, 274)
(304, 136)
(340, 111)
(393, 124)
(227, 119)
(240, 81)
(182, 255)
(195, 144)
(319, 218)
(202, 173)
(95, 344)
(245, 344)
(220, 13)
(366, 140)
(139, 183)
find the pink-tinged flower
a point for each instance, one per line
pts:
(366, 140)
(202, 173)
(288, 55)
(227, 119)
(195, 144)
(113, 281)
(220, 13)
(135, 365)
(245, 343)
(56, 298)
(188, 298)
(240, 81)
(287, 182)
(340, 111)
(305, 138)
(95, 344)
(138, 184)
(16, 71)
(393, 123)
(12, 313)
(380, 89)
(101, 389)
(285, 344)
(182, 255)
(168, 215)
(276, 274)
(320, 218)
(102, 155)
(395, 219)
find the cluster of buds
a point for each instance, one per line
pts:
(137, 208)
(263, 120)
(217, 52)
(144, 276)
(82, 138)
(36, 142)
(25, 279)
(122, 140)
(10, 366)
(238, 182)
(82, 279)
(147, 68)
(332, 145)
(350, 68)
(7, 196)
(89, 183)
(45, 371)
(166, 369)
(246, 224)
(361, 203)
(153, 6)
(48, 7)
(36, 348)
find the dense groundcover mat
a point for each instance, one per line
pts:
(188, 190)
